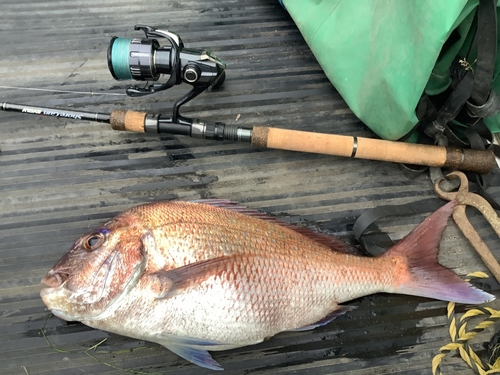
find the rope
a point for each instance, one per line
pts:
(460, 336)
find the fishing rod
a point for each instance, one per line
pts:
(283, 139)
(144, 59)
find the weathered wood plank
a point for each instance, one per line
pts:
(58, 178)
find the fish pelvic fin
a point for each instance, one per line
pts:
(191, 349)
(418, 272)
(198, 357)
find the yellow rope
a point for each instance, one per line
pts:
(460, 337)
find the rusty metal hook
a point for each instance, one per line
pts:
(464, 198)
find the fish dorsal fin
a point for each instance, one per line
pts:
(324, 239)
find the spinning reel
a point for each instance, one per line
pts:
(144, 59)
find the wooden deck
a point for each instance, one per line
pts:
(59, 178)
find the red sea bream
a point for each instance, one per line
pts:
(211, 275)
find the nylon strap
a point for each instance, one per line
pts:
(486, 50)
(378, 242)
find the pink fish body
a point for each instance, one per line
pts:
(196, 277)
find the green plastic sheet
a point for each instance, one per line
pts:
(381, 55)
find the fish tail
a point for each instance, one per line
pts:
(418, 272)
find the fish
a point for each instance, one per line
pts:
(212, 275)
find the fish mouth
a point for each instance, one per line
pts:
(54, 281)
(45, 292)
(50, 281)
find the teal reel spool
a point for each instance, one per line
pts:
(118, 58)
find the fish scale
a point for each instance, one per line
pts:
(196, 276)
(279, 306)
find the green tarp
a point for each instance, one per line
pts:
(381, 55)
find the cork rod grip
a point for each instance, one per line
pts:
(127, 120)
(373, 149)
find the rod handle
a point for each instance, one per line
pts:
(133, 121)
(373, 149)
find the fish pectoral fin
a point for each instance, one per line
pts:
(341, 310)
(174, 281)
(162, 284)
(189, 349)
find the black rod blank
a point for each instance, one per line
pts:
(42, 111)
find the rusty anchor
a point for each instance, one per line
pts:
(466, 198)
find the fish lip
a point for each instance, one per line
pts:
(46, 291)
(62, 315)
(50, 281)
(54, 279)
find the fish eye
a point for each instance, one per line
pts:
(93, 241)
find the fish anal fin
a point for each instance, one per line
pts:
(339, 311)
(333, 243)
